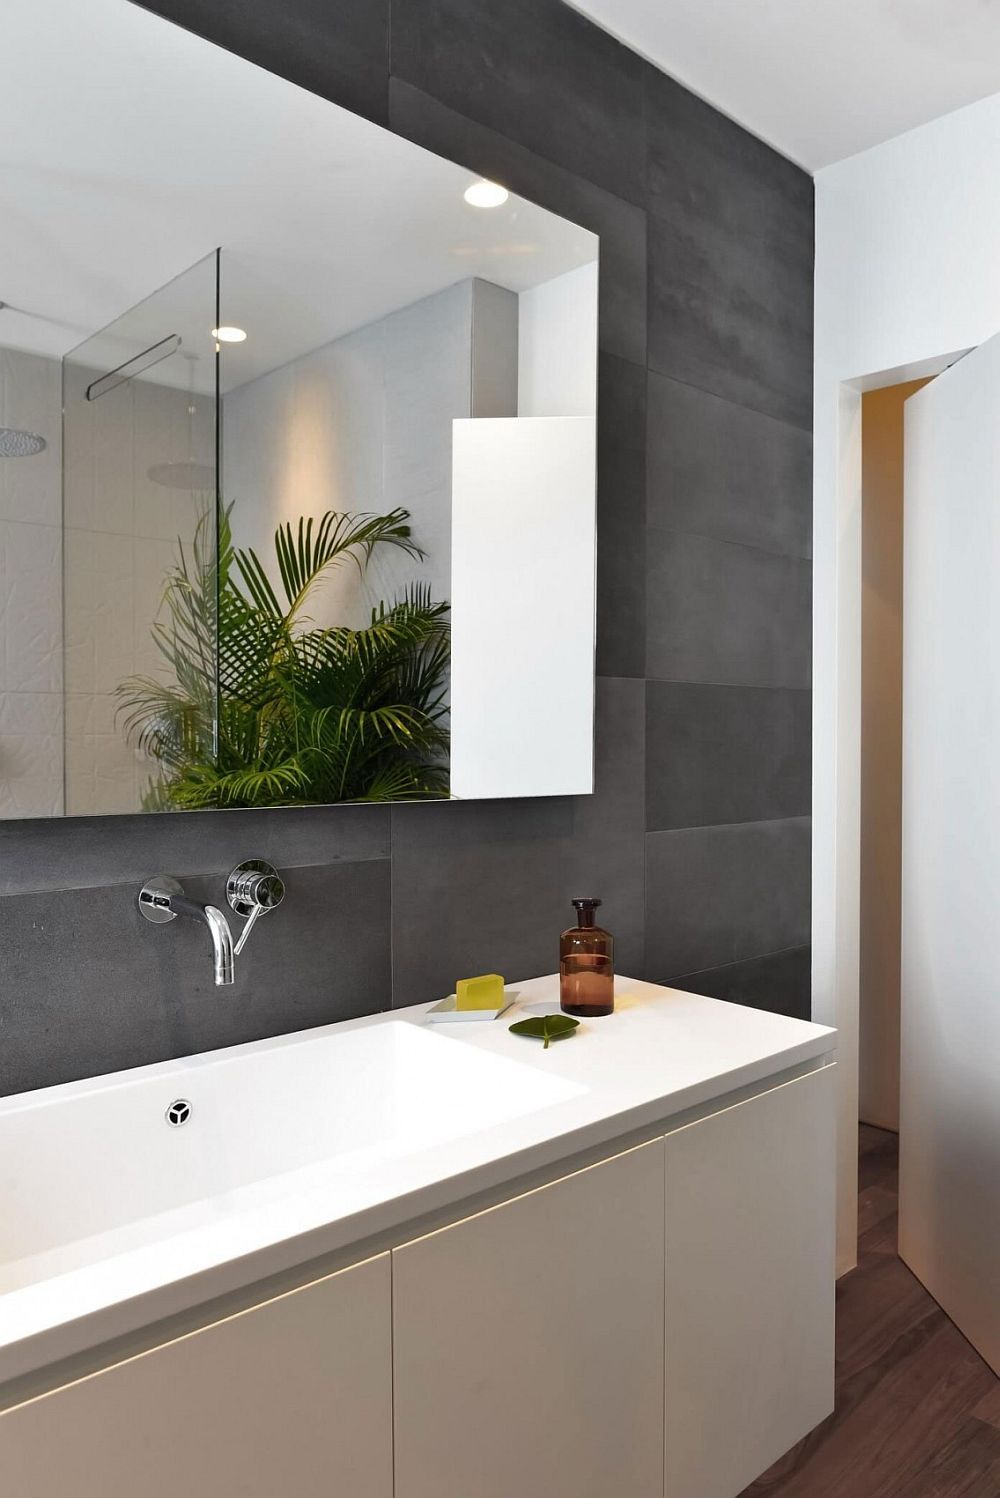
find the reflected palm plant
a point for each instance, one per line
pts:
(301, 714)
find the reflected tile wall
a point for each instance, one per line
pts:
(31, 766)
(124, 526)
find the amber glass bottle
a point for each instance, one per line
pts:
(586, 965)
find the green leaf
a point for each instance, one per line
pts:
(546, 1027)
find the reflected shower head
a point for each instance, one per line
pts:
(194, 477)
(15, 444)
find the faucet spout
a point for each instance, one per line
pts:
(162, 899)
(223, 960)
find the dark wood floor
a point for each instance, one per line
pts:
(918, 1411)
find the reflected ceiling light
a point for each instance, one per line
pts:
(229, 335)
(486, 194)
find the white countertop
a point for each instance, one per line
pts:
(661, 1053)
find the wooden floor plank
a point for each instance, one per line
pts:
(967, 1467)
(875, 1204)
(988, 1408)
(918, 1411)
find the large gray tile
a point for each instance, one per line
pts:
(536, 70)
(340, 52)
(476, 888)
(620, 225)
(731, 258)
(88, 986)
(606, 856)
(727, 471)
(716, 895)
(719, 754)
(718, 612)
(485, 886)
(780, 982)
(75, 852)
(621, 503)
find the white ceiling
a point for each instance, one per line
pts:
(818, 79)
(130, 149)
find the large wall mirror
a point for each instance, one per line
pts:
(297, 428)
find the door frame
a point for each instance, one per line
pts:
(836, 792)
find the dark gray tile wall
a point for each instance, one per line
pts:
(776, 981)
(716, 895)
(730, 254)
(698, 835)
(89, 986)
(722, 754)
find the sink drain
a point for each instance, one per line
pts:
(178, 1113)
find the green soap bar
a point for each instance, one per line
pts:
(485, 992)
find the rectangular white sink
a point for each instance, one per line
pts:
(94, 1168)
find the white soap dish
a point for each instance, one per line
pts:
(444, 1011)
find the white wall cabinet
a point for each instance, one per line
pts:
(528, 1343)
(291, 1399)
(657, 1325)
(750, 1229)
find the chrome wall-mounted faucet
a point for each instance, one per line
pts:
(253, 888)
(162, 899)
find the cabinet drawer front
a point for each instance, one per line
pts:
(749, 1363)
(291, 1399)
(528, 1343)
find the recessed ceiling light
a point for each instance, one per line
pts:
(486, 194)
(229, 335)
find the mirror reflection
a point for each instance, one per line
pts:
(311, 517)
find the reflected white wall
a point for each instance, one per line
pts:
(364, 424)
(557, 346)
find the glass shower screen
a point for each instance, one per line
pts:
(140, 492)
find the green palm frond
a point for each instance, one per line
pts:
(303, 553)
(255, 709)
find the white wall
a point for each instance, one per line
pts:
(907, 271)
(557, 345)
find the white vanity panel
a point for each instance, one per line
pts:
(528, 1343)
(291, 1399)
(749, 1285)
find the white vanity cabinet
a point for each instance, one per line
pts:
(291, 1399)
(749, 1352)
(528, 1343)
(658, 1324)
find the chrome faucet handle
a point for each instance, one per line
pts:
(253, 888)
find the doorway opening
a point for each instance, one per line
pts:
(882, 522)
